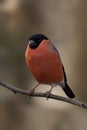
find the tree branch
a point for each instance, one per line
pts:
(36, 94)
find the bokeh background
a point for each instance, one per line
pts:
(65, 23)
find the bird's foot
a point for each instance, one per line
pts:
(31, 92)
(47, 94)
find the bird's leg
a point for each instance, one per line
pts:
(33, 89)
(47, 93)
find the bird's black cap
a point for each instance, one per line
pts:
(35, 40)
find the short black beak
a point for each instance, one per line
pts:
(32, 44)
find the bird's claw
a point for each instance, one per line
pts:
(31, 92)
(47, 94)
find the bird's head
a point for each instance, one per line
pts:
(35, 40)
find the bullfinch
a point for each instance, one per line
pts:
(44, 62)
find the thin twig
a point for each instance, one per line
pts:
(36, 94)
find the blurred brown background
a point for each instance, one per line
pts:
(65, 23)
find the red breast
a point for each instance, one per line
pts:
(44, 63)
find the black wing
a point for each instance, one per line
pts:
(65, 78)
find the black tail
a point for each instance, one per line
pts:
(68, 91)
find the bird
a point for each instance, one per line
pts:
(44, 62)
